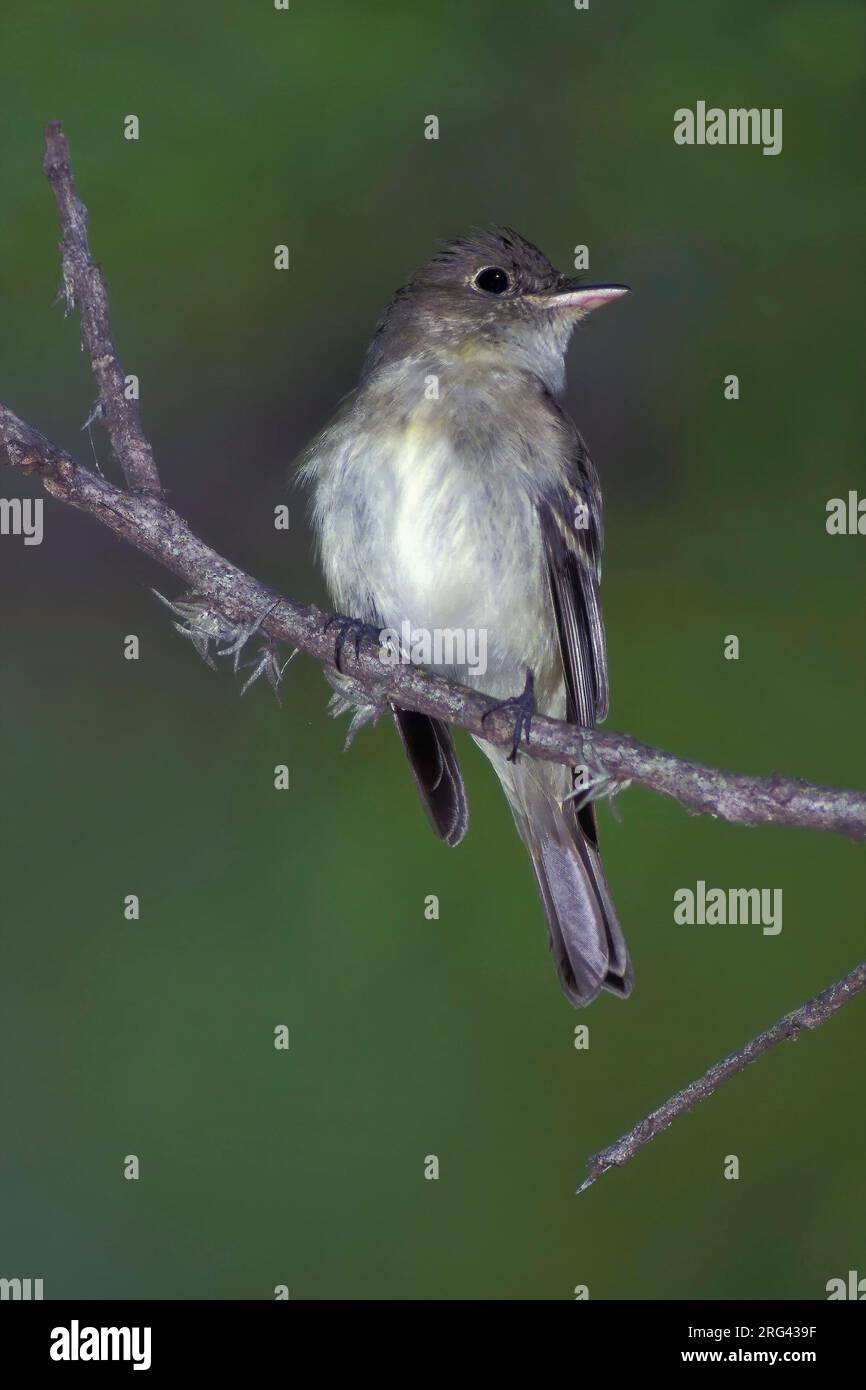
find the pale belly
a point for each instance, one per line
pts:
(451, 559)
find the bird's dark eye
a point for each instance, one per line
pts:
(492, 280)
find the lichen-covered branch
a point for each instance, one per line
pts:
(810, 1015)
(149, 524)
(84, 286)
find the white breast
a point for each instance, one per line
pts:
(434, 527)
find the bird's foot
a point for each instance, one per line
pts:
(524, 708)
(350, 628)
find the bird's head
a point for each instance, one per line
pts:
(491, 295)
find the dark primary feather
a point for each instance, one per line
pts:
(586, 938)
(573, 554)
(434, 765)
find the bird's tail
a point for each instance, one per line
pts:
(586, 940)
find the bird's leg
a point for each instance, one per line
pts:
(350, 627)
(524, 708)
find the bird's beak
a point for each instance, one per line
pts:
(583, 298)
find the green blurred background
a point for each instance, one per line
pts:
(411, 1037)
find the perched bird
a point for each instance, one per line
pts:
(453, 494)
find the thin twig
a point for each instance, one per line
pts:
(84, 285)
(809, 1015)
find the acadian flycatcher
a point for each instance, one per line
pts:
(452, 493)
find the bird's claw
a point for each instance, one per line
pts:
(350, 627)
(524, 708)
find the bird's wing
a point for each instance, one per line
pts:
(570, 516)
(562, 837)
(428, 746)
